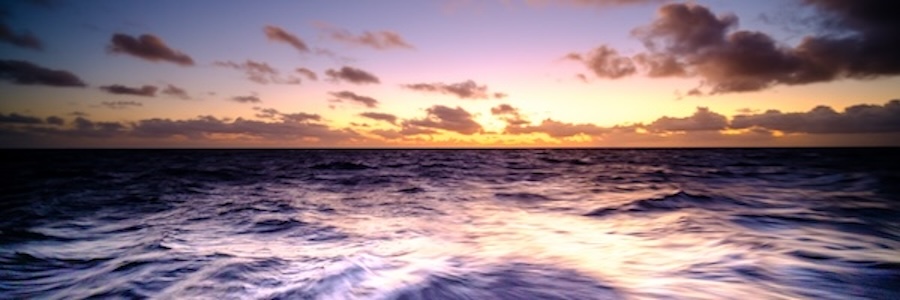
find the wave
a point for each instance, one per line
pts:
(341, 166)
(672, 202)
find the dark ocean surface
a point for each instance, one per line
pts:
(451, 224)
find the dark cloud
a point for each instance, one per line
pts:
(259, 72)
(121, 104)
(464, 90)
(175, 91)
(15, 118)
(557, 129)
(658, 65)
(88, 128)
(21, 39)
(380, 117)
(509, 114)
(499, 95)
(381, 40)
(855, 39)
(446, 118)
(26, 73)
(203, 128)
(703, 119)
(207, 126)
(277, 34)
(309, 74)
(605, 62)
(148, 47)
(54, 120)
(246, 99)
(862, 118)
(350, 96)
(352, 75)
(144, 91)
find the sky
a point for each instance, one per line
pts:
(449, 73)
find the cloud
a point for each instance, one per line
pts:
(464, 90)
(605, 62)
(144, 91)
(862, 118)
(509, 114)
(259, 72)
(380, 40)
(206, 127)
(54, 120)
(854, 40)
(15, 118)
(277, 34)
(26, 73)
(148, 47)
(350, 96)
(22, 39)
(246, 99)
(557, 129)
(121, 104)
(309, 74)
(300, 117)
(380, 117)
(352, 75)
(389, 134)
(85, 127)
(273, 114)
(451, 119)
(406, 131)
(175, 91)
(702, 120)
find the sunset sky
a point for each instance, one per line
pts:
(449, 73)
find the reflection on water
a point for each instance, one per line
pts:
(487, 224)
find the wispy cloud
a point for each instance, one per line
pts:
(148, 47)
(259, 72)
(464, 90)
(509, 114)
(380, 117)
(120, 104)
(274, 114)
(558, 129)
(352, 75)
(246, 99)
(379, 40)
(275, 33)
(144, 91)
(309, 74)
(353, 97)
(175, 91)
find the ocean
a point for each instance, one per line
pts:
(451, 224)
